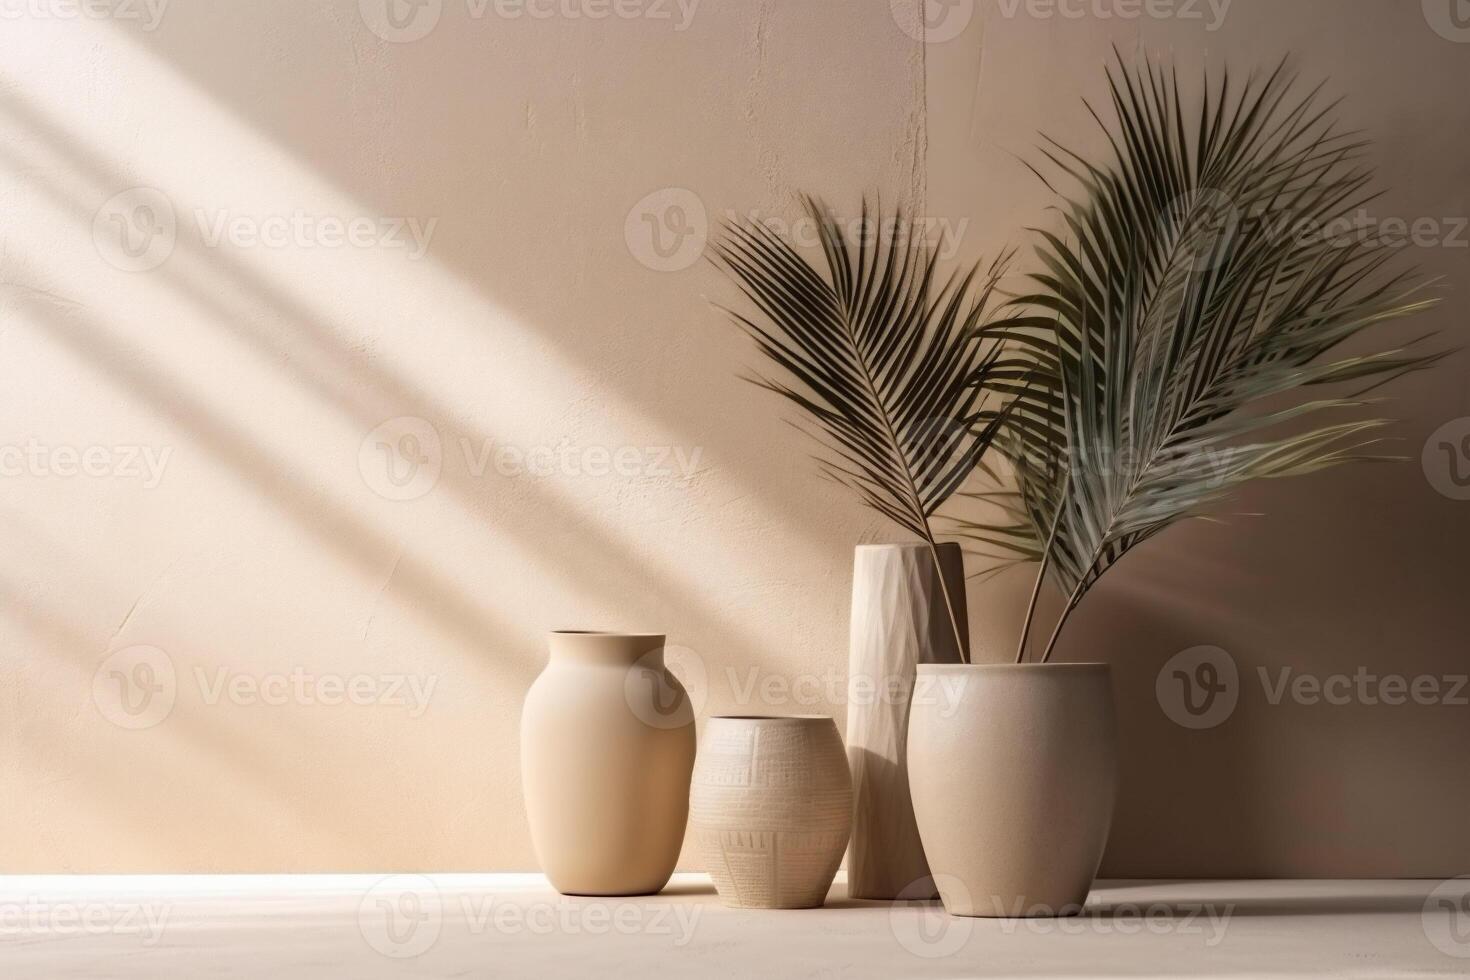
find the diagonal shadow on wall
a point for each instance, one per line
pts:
(349, 374)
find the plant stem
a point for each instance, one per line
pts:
(1051, 537)
(961, 649)
(1072, 601)
(896, 445)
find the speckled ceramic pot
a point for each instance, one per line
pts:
(1013, 772)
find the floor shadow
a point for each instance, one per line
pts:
(1335, 905)
(683, 888)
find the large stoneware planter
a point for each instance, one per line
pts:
(770, 809)
(899, 620)
(607, 749)
(1013, 771)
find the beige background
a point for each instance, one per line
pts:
(536, 334)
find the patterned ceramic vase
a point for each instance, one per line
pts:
(771, 809)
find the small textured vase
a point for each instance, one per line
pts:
(607, 748)
(770, 809)
(1013, 770)
(899, 620)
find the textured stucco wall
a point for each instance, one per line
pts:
(1356, 572)
(196, 500)
(572, 387)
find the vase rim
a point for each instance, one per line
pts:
(631, 634)
(806, 719)
(1061, 665)
(905, 544)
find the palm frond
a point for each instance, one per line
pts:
(885, 359)
(1194, 285)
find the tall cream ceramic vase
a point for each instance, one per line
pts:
(607, 749)
(899, 620)
(1013, 770)
(770, 809)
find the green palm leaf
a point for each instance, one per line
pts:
(1192, 300)
(887, 362)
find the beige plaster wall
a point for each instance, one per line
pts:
(1358, 572)
(339, 671)
(345, 355)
